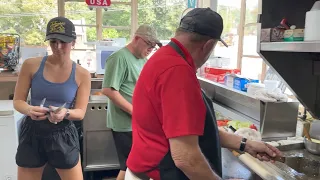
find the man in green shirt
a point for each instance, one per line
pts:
(121, 74)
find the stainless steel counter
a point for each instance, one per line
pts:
(99, 148)
(233, 168)
(308, 167)
(299, 165)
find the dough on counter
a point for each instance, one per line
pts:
(98, 93)
(315, 141)
(249, 133)
(273, 143)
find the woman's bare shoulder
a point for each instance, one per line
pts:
(33, 61)
(32, 64)
(82, 74)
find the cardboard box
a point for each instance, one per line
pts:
(241, 83)
(216, 78)
(293, 35)
(218, 71)
(272, 35)
(218, 74)
(229, 80)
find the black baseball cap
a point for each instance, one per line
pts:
(203, 21)
(61, 28)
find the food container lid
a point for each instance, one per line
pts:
(316, 6)
(259, 85)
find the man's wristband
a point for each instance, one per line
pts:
(243, 144)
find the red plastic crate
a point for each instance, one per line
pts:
(218, 71)
(216, 78)
(218, 74)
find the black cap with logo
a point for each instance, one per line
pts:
(62, 29)
(203, 21)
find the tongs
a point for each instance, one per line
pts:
(54, 110)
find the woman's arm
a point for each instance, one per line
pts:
(23, 85)
(82, 97)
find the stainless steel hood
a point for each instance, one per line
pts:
(297, 63)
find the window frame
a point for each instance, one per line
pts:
(242, 27)
(134, 24)
(99, 15)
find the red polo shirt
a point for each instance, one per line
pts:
(167, 103)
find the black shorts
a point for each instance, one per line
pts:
(40, 144)
(123, 142)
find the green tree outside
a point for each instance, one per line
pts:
(28, 18)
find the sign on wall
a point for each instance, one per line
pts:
(98, 3)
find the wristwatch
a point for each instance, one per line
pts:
(243, 144)
(67, 114)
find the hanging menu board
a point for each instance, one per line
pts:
(9, 50)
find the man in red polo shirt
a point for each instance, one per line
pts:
(175, 135)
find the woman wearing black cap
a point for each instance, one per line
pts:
(49, 136)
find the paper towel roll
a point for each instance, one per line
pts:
(312, 26)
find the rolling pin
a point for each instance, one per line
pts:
(255, 165)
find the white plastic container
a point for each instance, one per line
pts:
(311, 32)
(98, 98)
(254, 87)
(271, 84)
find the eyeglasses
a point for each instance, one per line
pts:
(151, 47)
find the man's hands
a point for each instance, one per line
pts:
(261, 150)
(258, 149)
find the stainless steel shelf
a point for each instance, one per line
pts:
(301, 46)
(96, 79)
(277, 120)
(232, 114)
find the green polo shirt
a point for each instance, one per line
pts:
(122, 70)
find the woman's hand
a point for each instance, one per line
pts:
(56, 117)
(37, 113)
